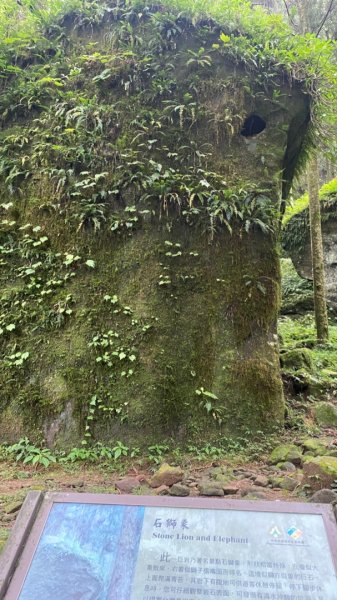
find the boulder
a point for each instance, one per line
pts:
(230, 488)
(253, 494)
(211, 489)
(286, 482)
(180, 265)
(325, 414)
(178, 489)
(296, 359)
(333, 452)
(316, 447)
(287, 466)
(162, 490)
(289, 483)
(166, 475)
(324, 497)
(127, 485)
(286, 453)
(261, 480)
(320, 472)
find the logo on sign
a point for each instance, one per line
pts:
(275, 532)
(294, 533)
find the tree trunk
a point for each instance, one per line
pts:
(303, 16)
(321, 315)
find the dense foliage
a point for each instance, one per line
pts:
(296, 219)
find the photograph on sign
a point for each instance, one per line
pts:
(121, 552)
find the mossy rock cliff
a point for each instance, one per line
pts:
(141, 184)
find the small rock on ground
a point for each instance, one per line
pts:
(178, 489)
(261, 480)
(13, 507)
(162, 490)
(210, 489)
(286, 453)
(287, 466)
(127, 485)
(324, 497)
(166, 475)
(255, 496)
(230, 488)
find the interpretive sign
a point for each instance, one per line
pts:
(95, 547)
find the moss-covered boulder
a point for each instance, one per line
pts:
(325, 414)
(297, 359)
(316, 447)
(298, 368)
(166, 475)
(286, 453)
(320, 472)
(140, 198)
(286, 482)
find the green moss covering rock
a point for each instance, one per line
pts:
(316, 447)
(286, 482)
(166, 475)
(211, 489)
(139, 230)
(325, 414)
(286, 453)
(320, 472)
(297, 359)
(298, 333)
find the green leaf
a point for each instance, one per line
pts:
(225, 38)
(210, 395)
(90, 263)
(208, 406)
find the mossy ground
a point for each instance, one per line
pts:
(300, 332)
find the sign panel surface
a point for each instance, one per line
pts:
(129, 552)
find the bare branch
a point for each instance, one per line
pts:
(331, 7)
(288, 13)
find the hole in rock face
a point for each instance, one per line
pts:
(253, 125)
